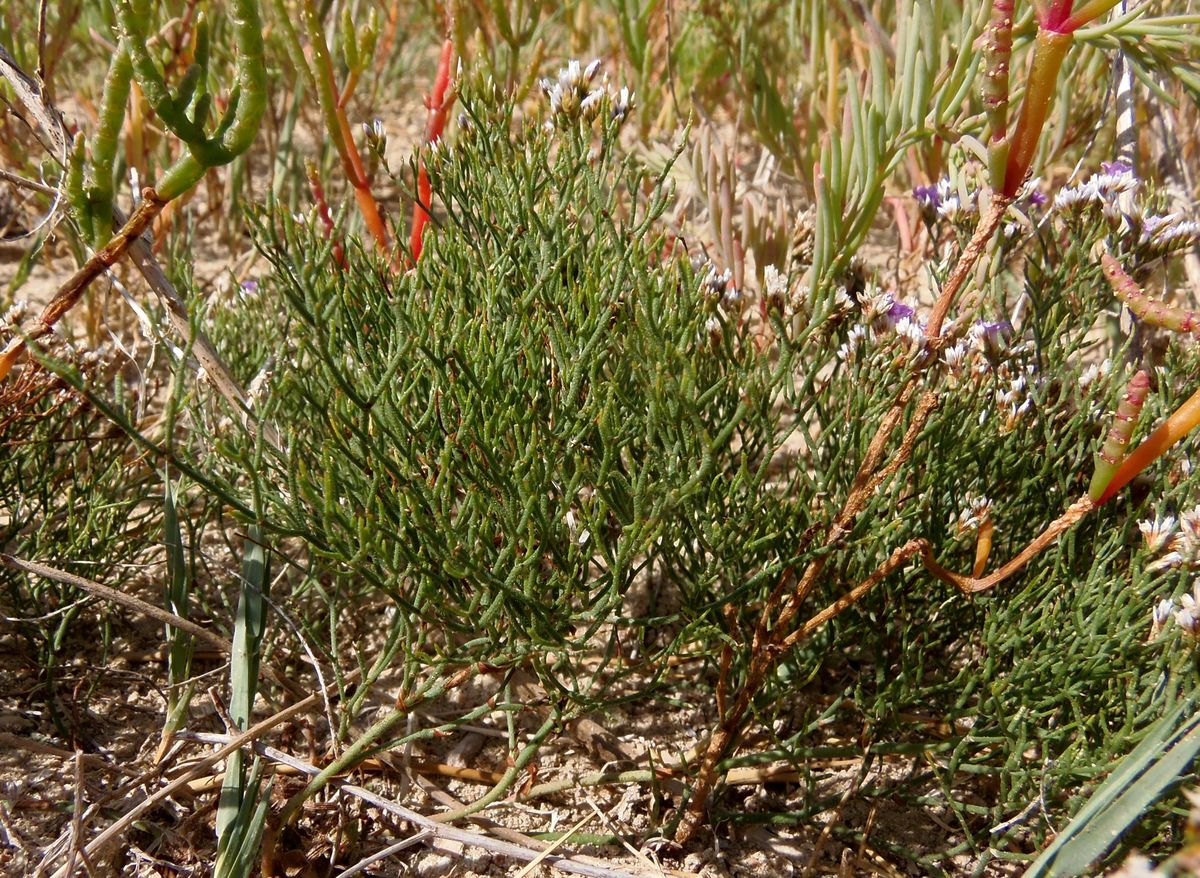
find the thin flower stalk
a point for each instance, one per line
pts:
(324, 215)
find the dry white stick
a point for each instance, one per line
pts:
(437, 830)
(386, 852)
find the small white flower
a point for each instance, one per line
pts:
(15, 314)
(1072, 197)
(842, 300)
(1157, 532)
(857, 335)
(1187, 620)
(571, 95)
(1110, 185)
(875, 303)
(1162, 612)
(1092, 373)
(955, 357)
(977, 511)
(1166, 562)
(623, 103)
(716, 284)
(912, 332)
(774, 288)
(951, 208)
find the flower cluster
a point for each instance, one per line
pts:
(1186, 616)
(1156, 234)
(719, 296)
(576, 95)
(944, 201)
(884, 319)
(1165, 233)
(1177, 539)
(977, 511)
(14, 316)
(1102, 190)
(775, 289)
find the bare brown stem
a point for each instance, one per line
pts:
(72, 291)
(773, 637)
(1075, 513)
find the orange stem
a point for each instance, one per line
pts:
(435, 124)
(1181, 422)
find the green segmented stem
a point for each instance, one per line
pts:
(134, 26)
(75, 194)
(248, 98)
(1116, 443)
(98, 182)
(1146, 308)
(997, 51)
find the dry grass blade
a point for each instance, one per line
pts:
(118, 597)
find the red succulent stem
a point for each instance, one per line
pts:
(1181, 422)
(1054, 15)
(1057, 22)
(1048, 54)
(439, 104)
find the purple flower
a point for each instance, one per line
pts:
(1036, 198)
(899, 311)
(928, 196)
(1116, 168)
(250, 286)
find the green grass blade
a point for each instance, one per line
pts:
(1165, 754)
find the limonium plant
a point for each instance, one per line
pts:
(612, 408)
